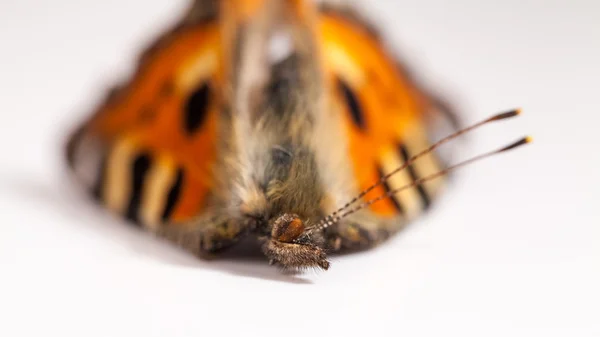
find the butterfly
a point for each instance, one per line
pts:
(282, 120)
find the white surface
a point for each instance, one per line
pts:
(512, 250)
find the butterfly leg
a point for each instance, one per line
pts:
(207, 238)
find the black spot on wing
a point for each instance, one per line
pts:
(354, 106)
(173, 196)
(139, 169)
(387, 188)
(425, 200)
(196, 108)
(98, 188)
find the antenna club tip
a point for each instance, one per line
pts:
(520, 142)
(505, 115)
(518, 111)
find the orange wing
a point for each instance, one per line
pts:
(386, 113)
(147, 151)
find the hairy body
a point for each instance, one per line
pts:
(215, 138)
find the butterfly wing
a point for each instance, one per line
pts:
(387, 120)
(147, 151)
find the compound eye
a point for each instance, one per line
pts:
(287, 231)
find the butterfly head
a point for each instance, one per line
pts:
(289, 248)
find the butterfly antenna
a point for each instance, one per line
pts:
(333, 220)
(498, 117)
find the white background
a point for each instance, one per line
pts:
(513, 249)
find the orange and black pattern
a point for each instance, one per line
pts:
(148, 150)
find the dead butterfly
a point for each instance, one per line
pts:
(267, 118)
